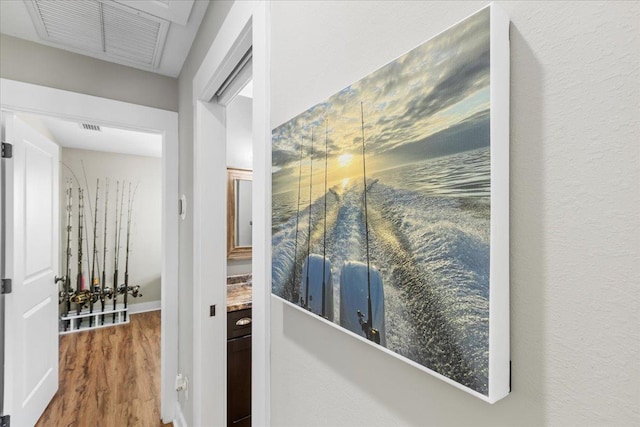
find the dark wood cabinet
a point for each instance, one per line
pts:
(239, 368)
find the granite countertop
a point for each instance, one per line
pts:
(238, 292)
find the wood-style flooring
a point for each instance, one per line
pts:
(109, 377)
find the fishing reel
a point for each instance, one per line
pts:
(134, 291)
(370, 332)
(95, 294)
(108, 293)
(81, 297)
(65, 296)
(61, 294)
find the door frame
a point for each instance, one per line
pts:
(247, 25)
(19, 97)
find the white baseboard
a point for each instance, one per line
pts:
(179, 421)
(144, 307)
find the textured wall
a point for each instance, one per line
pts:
(213, 19)
(575, 197)
(35, 63)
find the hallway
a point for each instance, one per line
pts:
(109, 377)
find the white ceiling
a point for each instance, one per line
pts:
(16, 21)
(72, 135)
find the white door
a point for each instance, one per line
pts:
(31, 261)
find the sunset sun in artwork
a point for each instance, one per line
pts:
(345, 159)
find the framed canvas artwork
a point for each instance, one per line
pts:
(390, 215)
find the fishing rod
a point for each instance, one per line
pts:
(80, 277)
(118, 232)
(295, 251)
(134, 289)
(66, 288)
(94, 279)
(86, 186)
(104, 251)
(79, 297)
(324, 231)
(371, 333)
(126, 260)
(306, 296)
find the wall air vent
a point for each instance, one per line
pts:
(87, 126)
(103, 29)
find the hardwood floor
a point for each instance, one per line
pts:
(109, 377)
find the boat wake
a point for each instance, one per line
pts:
(433, 256)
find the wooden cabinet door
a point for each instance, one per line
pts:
(239, 382)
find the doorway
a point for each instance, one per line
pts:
(246, 27)
(20, 97)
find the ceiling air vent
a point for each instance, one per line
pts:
(101, 28)
(87, 126)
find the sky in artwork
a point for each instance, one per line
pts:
(434, 100)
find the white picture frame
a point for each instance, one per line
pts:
(488, 81)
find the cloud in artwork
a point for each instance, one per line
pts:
(468, 134)
(429, 91)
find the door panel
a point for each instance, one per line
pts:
(39, 367)
(39, 219)
(31, 309)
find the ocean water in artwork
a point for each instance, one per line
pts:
(381, 206)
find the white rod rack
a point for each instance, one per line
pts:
(83, 319)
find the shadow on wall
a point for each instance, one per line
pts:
(150, 290)
(527, 204)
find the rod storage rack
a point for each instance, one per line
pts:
(92, 304)
(79, 322)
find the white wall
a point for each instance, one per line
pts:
(239, 155)
(211, 23)
(145, 255)
(575, 198)
(239, 133)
